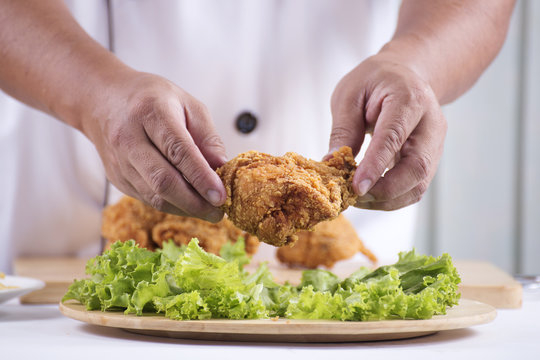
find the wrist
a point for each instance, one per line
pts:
(408, 52)
(88, 92)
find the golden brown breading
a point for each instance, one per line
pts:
(275, 197)
(211, 236)
(131, 219)
(329, 242)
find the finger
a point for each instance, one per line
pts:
(119, 174)
(347, 121)
(411, 197)
(164, 188)
(169, 134)
(418, 162)
(129, 189)
(131, 183)
(396, 122)
(137, 188)
(201, 127)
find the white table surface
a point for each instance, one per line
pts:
(42, 332)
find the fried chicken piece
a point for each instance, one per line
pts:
(275, 197)
(328, 243)
(211, 236)
(131, 219)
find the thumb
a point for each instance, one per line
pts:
(348, 126)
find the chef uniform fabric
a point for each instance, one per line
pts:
(275, 62)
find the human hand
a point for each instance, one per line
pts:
(158, 144)
(390, 101)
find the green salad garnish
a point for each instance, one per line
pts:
(186, 283)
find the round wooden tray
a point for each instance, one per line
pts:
(466, 314)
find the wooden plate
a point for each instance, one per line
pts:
(466, 314)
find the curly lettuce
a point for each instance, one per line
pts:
(187, 283)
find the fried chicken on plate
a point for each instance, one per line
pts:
(273, 197)
(328, 243)
(211, 236)
(131, 219)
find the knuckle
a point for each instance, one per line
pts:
(151, 108)
(417, 193)
(417, 93)
(202, 109)
(395, 137)
(340, 135)
(118, 137)
(177, 151)
(420, 190)
(161, 181)
(145, 106)
(380, 163)
(179, 156)
(444, 124)
(157, 202)
(196, 178)
(197, 110)
(212, 140)
(421, 167)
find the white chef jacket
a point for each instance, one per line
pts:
(279, 60)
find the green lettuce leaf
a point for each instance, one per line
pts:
(170, 251)
(312, 304)
(416, 287)
(320, 280)
(235, 252)
(185, 282)
(222, 284)
(186, 306)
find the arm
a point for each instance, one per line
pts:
(449, 43)
(439, 49)
(156, 141)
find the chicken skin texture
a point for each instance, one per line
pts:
(274, 197)
(131, 219)
(212, 237)
(328, 243)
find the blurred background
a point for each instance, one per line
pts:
(485, 200)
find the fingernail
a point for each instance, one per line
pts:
(365, 198)
(364, 187)
(214, 197)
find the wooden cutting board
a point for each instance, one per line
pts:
(57, 273)
(487, 283)
(481, 281)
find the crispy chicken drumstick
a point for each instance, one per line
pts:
(328, 243)
(131, 219)
(275, 197)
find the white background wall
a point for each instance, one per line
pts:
(485, 200)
